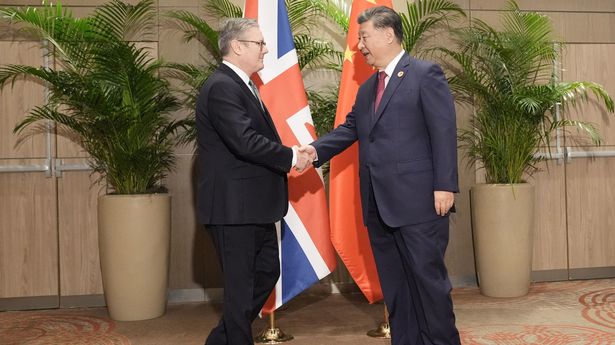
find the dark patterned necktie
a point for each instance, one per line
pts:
(379, 89)
(256, 94)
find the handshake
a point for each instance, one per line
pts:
(306, 154)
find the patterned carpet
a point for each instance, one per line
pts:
(562, 313)
(576, 313)
(57, 328)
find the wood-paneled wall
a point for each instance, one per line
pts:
(591, 186)
(28, 220)
(28, 235)
(48, 237)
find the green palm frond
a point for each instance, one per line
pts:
(10, 73)
(116, 20)
(195, 27)
(423, 16)
(57, 26)
(223, 9)
(46, 112)
(314, 53)
(323, 107)
(302, 15)
(571, 91)
(192, 77)
(582, 126)
(335, 12)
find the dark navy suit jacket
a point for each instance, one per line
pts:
(242, 163)
(407, 148)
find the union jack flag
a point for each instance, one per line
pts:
(306, 253)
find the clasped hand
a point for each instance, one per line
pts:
(305, 156)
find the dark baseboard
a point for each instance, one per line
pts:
(549, 275)
(29, 303)
(592, 273)
(82, 301)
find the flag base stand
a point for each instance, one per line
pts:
(272, 334)
(383, 331)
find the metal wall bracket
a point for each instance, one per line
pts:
(59, 167)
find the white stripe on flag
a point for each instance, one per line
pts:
(274, 66)
(297, 122)
(305, 241)
(278, 285)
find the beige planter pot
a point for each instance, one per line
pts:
(502, 224)
(134, 235)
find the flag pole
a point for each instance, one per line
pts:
(384, 330)
(272, 334)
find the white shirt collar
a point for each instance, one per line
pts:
(239, 71)
(391, 66)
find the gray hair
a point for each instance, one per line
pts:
(232, 29)
(383, 17)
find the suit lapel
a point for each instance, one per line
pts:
(264, 112)
(401, 71)
(271, 124)
(372, 82)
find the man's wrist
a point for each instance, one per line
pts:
(294, 160)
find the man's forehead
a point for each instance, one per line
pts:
(366, 26)
(254, 32)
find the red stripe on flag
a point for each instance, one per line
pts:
(306, 190)
(285, 96)
(250, 9)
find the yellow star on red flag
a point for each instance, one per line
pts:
(349, 54)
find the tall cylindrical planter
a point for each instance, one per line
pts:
(134, 234)
(502, 225)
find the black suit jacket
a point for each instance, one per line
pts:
(407, 148)
(242, 163)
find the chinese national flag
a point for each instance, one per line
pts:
(348, 234)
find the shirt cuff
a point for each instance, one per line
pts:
(294, 161)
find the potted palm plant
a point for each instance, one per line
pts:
(508, 77)
(107, 92)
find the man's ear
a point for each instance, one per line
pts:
(236, 47)
(390, 35)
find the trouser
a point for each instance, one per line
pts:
(250, 264)
(415, 284)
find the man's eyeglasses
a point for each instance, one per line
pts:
(261, 44)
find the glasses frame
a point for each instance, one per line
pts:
(261, 44)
